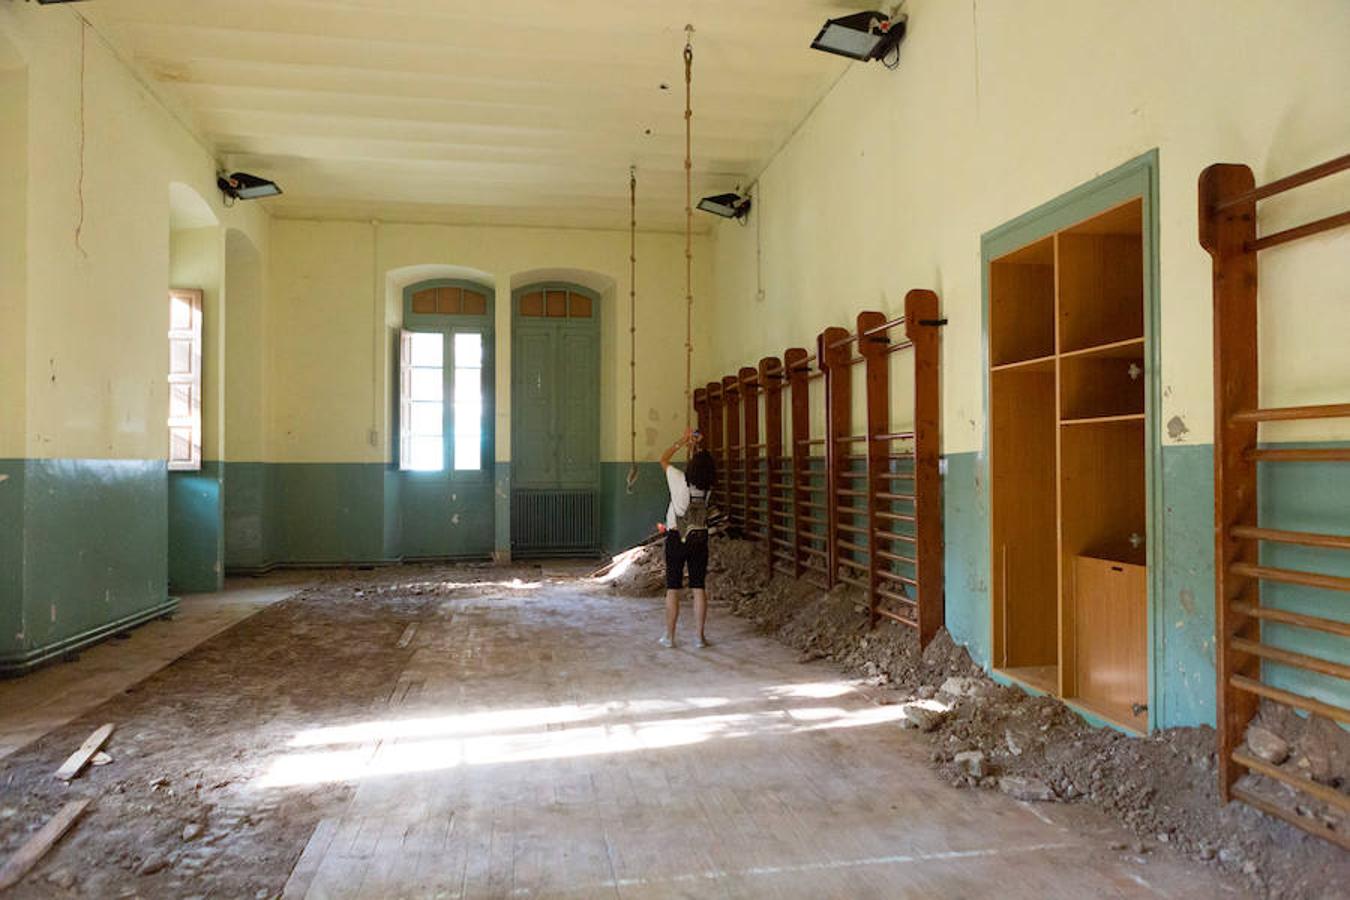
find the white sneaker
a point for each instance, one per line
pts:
(666, 641)
(701, 642)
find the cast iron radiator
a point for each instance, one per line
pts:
(554, 523)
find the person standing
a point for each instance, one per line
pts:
(687, 533)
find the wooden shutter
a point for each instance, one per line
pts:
(405, 399)
(185, 380)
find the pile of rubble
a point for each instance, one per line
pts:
(987, 736)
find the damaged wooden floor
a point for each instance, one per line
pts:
(539, 743)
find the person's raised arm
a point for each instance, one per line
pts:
(690, 437)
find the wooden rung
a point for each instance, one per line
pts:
(849, 545)
(896, 348)
(850, 511)
(1328, 795)
(816, 583)
(782, 543)
(1311, 454)
(780, 514)
(811, 441)
(1312, 826)
(896, 436)
(1290, 658)
(885, 495)
(1283, 616)
(1339, 220)
(1289, 698)
(814, 567)
(851, 439)
(1304, 538)
(898, 598)
(812, 551)
(893, 536)
(1292, 576)
(849, 492)
(897, 617)
(1288, 182)
(851, 529)
(810, 520)
(856, 582)
(904, 580)
(889, 575)
(1286, 413)
(896, 476)
(895, 517)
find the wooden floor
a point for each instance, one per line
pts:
(541, 744)
(34, 705)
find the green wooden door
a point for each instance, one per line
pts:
(555, 420)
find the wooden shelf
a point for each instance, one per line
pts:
(1066, 498)
(1104, 420)
(1041, 678)
(1126, 349)
(1039, 364)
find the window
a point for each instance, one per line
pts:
(558, 303)
(185, 380)
(468, 402)
(422, 445)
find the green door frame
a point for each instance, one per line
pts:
(1136, 178)
(517, 320)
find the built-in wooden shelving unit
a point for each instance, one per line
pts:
(1067, 451)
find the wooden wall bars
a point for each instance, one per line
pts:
(1251, 666)
(831, 500)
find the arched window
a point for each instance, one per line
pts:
(445, 377)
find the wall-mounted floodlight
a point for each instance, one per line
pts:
(862, 36)
(243, 186)
(45, 2)
(728, 206)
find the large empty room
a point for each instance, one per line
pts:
(723, 449)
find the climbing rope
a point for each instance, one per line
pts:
(688, 227)
(632, 328)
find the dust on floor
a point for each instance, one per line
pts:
(176, 813)
(984, 735)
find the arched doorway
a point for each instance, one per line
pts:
(555, 419)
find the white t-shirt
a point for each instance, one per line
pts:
(680, 492)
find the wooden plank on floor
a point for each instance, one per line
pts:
(77, 760)
(37, 846)
(407, 636)
(307, 866)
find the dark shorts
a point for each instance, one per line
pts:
(692, 553)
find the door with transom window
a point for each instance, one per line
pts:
(555, 416)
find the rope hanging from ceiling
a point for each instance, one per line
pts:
(632, 329)
(688, 227)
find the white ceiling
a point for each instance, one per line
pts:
(498, 111)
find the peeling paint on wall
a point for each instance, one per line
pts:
(1176, 428)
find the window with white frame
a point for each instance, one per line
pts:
(468, 400)
(185, 380)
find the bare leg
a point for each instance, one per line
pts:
(672, 613)
(700, 609)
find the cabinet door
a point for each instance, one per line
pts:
(533, 391)
(1111, 640)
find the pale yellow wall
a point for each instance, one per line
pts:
(246, 390)
(13, 239)
(330, 295)
(95, 309)
(195, 262)
(1002, 105)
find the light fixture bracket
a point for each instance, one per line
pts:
(862, 36)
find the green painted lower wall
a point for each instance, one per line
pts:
(1297, 496)
(626, 519)
(196, 530)
(11, 551)
(248, 511)
(92, 552)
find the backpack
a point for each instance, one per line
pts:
(695, 517)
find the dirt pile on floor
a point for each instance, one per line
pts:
(985, 735)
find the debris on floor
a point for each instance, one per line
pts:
(985, 735)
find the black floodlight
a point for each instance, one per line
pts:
(45, 2)
(862, 36)
(728, 206)
(243, 186)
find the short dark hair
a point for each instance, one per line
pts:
(702, 470)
